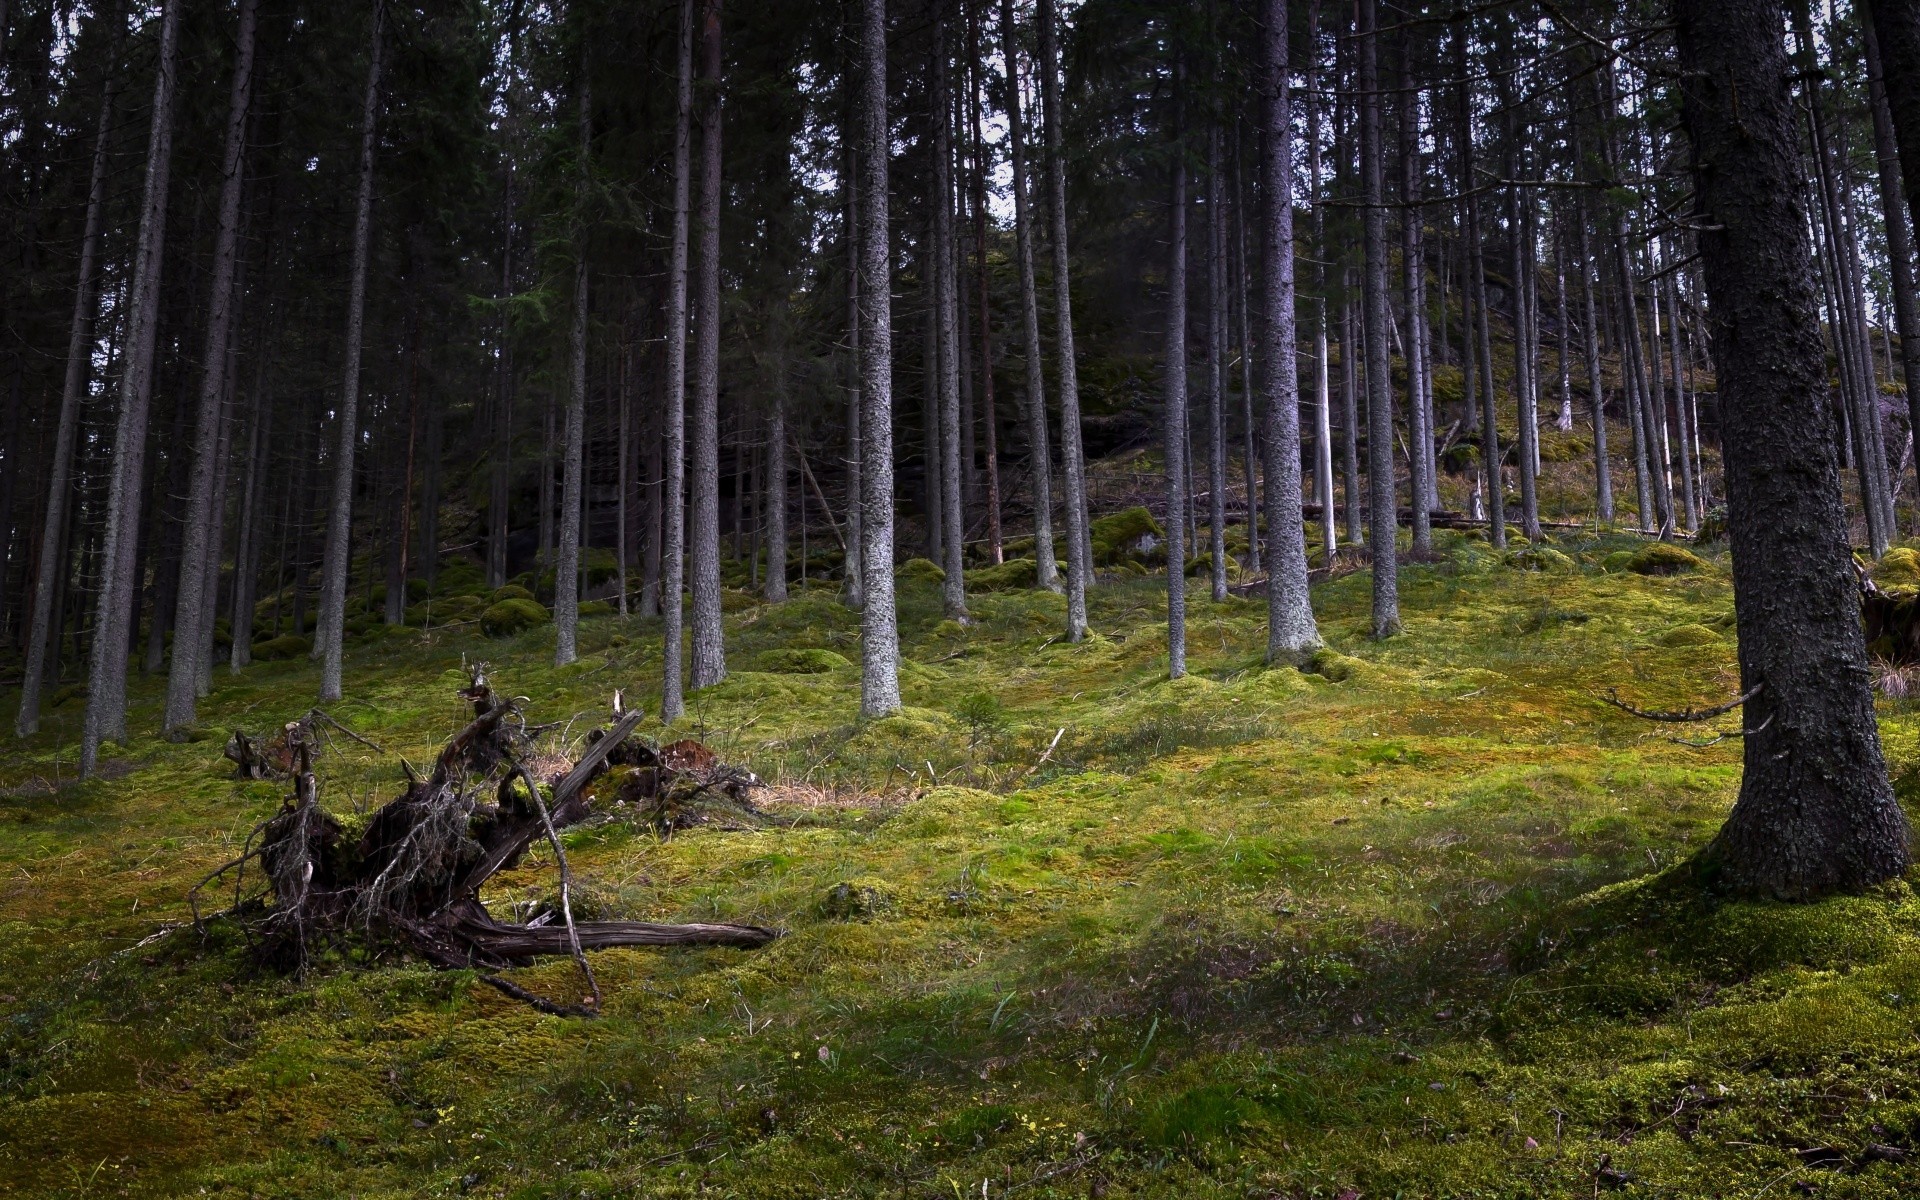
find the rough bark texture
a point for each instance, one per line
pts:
(952, 517)
(1174, 396)
(1384, 512)
(851, 590)
(1816, 813)
(1413, 261)
(193, 616)
(709, 653)
(1292, 635)
(879, 635)
(1216, 366)
(566, 576)
(333, 570)
(1596, 385)
(673, 511)
(106, 716)
(1881, 85)
(776, 494)
(1073, 453)
(1045, 572)
(52, 567)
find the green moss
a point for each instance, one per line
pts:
(287, 645)
(812, 661)
(1539, 558)
(920, 570)
(1665, 558)
(857, 899)
(1119, 535)
(1008, 576)
(1692, 634)
(595, 608)
(1617, 561)
(508, 617)
(511, 591)
(1899, 566)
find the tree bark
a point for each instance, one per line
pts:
(953, 517)
(106, 715)
(989, 415)
(566, 576)
(43, 631)
(1414, 262)
(1046, 574)
(1216, 360)
(1073, 453)
(776, 492)
(673, 518)
(709, 652)
(1906, 304)
(1292, 635)
(1384, 525)
(1816, 813)
(879, 635)
(1596, 384)
(200, 552)
(1174, 432)
(852, 591)
(333, 571)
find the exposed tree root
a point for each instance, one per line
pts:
(412, 879)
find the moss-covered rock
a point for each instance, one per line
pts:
(595, 608)
(1617, 561)
(1118, 536)
(1899, 567)
(509, 617)
(1691, 634)
(920, 570)
(1009, 576)
(1538, 558)
(1665, 558)
(790, 661)
(511, 591)
(859, 899)
(287, 645)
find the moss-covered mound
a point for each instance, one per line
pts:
(287, 645)
(1665, 558)
(793, 661)
(920, 570)
(509, 617)
(1118, 536)
(1899, 567)
(1009, 576)
(1538, 558)
(511, 591)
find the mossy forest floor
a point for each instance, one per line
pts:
(1393, 927)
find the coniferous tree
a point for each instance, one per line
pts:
(709, 652)
(673, 520)
(1384, 524)
(879, 635)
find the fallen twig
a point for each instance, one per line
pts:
(1683, 715)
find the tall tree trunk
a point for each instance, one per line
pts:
(566, 577)
(1519, 206)
(1292, 635)
(200, 552)
(1900, 240)
(1414, 261)
(776, 489)
(1045, 573)
(673, 519)
(1384, 526)
(1216, 362)
(106, 716)
(709, 651)
(1175, 393)
(1073, 452)
(947, 301)
(989, 416)
(852, 591)
(253, 524)
(879, 635)
(333, 571)
(1323, 393)
(1561, 342)
(623, 454)
(1816, 813)
(1243, 300)
(1688, 500)
(1596, 385)
(1351, 357)
(44, 631)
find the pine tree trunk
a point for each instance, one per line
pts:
(1413, 261)
(44, 629)
(1816, 813)
(106, 715)
(947, 302)
(673, 514)
(879, 635)
(1216, 365)
(1900, 239)
(1323, 393)
(253, 525)
(853, 593)
(1564, 420)
(989, 416)
(1175, 393)
(1073, 453)
(1243, 300)
(1292, 635)
(1384, 526)
(1596, 384)
(1688, 500)
(1045, 572)
(566, 578)
(776, 491)
(199, 550)
(1519, 204)
(333, 571)
(500, 474)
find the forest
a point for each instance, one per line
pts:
(1276, 599)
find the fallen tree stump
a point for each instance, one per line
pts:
(412, 879)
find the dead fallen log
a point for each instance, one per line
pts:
(412, 880)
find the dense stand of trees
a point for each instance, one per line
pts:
(308, 309)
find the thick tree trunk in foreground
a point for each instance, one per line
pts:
(709, 653)
(1073, 454)
(1816, 813)
(1045, 573)
(1385, 524)
(879, 635)
(193, 616)
(1174, 393)
(106, 716)
(673, 516)
(1291, 633)
(42, 629)
(333, 570)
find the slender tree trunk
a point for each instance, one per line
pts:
(879, 635)
(1816, 813)
(1414, 261)
(673, 568)
(1351, 356)
(1689, 501)
(709, 652)
(1519, 204)
(1906, 304)
(193, 617)
(1385, 522)
(106, 716)
(1244, 334)
(1323, 394)
(623, 456)
(853, 593)
(990, 420)
(246, 569)
(1561, 343)
(1216, 364)
(1175, 394)
(1596, 385)
(333, 572)
(566, 576)
(44, 629)
(1292, 635)
(947, 301)
(776, 490)
(1045, 573)
(1073, 453)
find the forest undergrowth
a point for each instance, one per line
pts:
(1398, 924)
